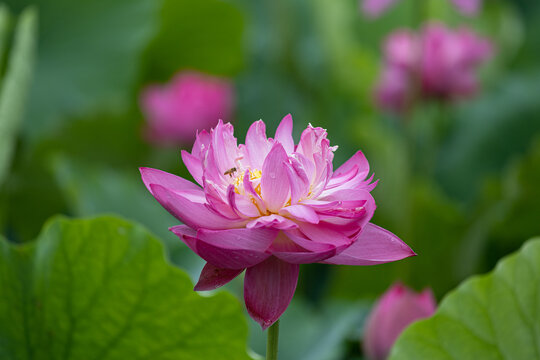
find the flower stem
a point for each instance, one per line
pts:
(272, 341)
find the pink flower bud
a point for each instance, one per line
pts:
(468, 7)
(375, 8)
(437, 63)
(395, 310)
(191, 102)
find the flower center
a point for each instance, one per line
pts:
(254, 175)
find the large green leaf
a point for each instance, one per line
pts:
(16, 81)
(101, 289)
(495, 316)
(90, 190)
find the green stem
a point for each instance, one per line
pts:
(272, 342)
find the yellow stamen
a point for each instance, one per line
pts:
(254, 174)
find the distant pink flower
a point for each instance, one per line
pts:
(189, 103)
(270, 205)
(436, 63)
(375, 8)
(395, 310)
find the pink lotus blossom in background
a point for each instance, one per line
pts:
(436, 63)
(270, 205)
(394, 311)
(191, 102)
(375, 8)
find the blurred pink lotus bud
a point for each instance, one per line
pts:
(375, 8)
(191, 102)
(468, 7)
(436, 63)
(394, 311)
(402, 49)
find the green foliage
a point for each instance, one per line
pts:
(200, 34)
(88, 59)
(522, 196)
(477, 147)
(494, 316)
(506, 215)
(16, 80)
(101, 289)
(92, 190)
(84, 100)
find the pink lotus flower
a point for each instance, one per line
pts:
(395, 310)
(437, 63)
(189, 103)
(375, 8)
(270, 205)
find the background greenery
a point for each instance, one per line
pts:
(462, 202)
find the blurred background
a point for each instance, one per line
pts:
(445, 103)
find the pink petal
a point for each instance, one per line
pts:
(193, 214)
(346, 194)
(358, 161)
(272, 221)
(321, 233)
(320, 205)
(300, 212)
(268, 289)
(187, 235)
(216, 197)
(284, 134)
(324, 172)
(219, 247)
(306, 165)
(257, 144)
(312, 142)
(296, 236)
(347, 210)
(241, 204)
(224, 147)
(295, 249)
(257, 240)
(235, 249)
(248, 188)
(201, 144)
(223, 255)
(274, 190)
(194, 166)
(375, 245)
(174, 183)
(304, 257)
(298, 180)
(213, 277)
